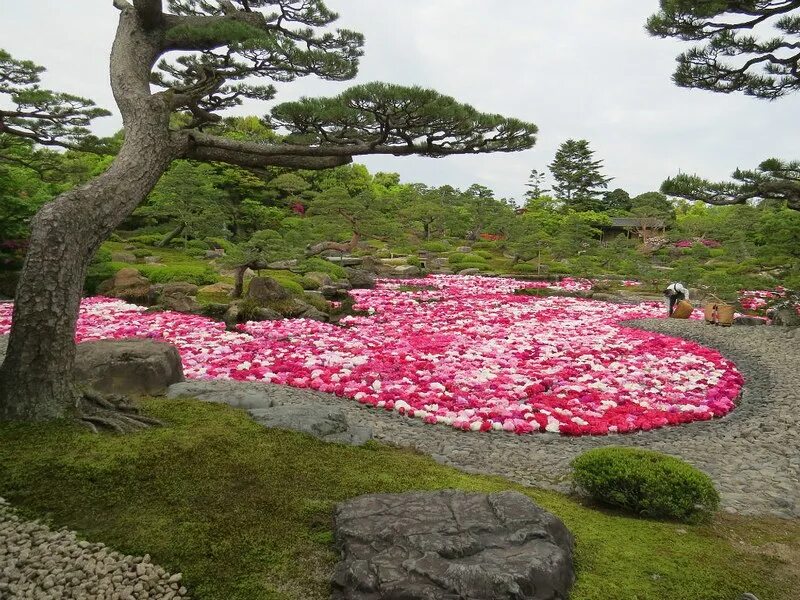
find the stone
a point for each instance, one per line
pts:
(129, 367)
(216, 288)
(469, 272)
(285, 265)
(331, 292)
(321, 279)
(215, 253)
(407, 270)
(127, 284)
(464, 249)
(125, 257)
(745, 320)
(266, 289)
(786, 317)
(231, 316)
(152, 260)
(345, 261)
(450, 544)
(178, 288)
(267, 404)
(360, 278)
(373, 265)
(183, 304)
(314, 314)
(267, 314)
(327, 424)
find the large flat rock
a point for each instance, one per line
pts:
(279, 407)
(450, 545)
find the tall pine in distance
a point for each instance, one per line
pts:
(578, 181)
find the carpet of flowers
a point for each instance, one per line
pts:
(463, 351)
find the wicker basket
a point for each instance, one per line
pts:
(719, 312)
(683, 310)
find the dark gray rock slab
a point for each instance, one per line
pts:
(280, 407)
(129, 367)
(450, 545)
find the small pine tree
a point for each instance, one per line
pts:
(578, 178)
(535, 185)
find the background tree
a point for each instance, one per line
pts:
(617, 200)
(535, 185)
(578, 181)
(733, 58)
(219, 45)
(772, 180)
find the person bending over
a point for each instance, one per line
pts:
(675, 292)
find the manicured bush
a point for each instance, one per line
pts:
(647, 483)
(148, 239)
(198, 275)
(289, 284)
(323, 266)
(466, 257)
(524, 268)
(435, 246)
(414, 261)
(484, 254)
(197, 245)
(103, 255)
(473, 265)
(142, 253)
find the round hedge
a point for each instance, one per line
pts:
(647, 483)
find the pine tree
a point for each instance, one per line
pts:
(578, 178)
(535, 185)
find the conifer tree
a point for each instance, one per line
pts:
(578, 180)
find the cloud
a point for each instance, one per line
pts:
(580, 69)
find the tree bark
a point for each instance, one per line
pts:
(171, 235)
(36, 380)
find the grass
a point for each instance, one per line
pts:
(245, 513)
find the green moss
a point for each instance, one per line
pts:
(245, 512)
(323, 266)
(197, 274)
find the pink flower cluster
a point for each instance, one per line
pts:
(468, 353)
(757, 300)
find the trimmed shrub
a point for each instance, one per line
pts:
(414, 261)
(435, 246)
(484, 254)
(468, 257)
(473, 265)
(142, 253)
(647, 483)
(524, 268)
(196, 274)
(103, 255)
(148, 239)
(323, 266)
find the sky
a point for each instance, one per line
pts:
(576, 68)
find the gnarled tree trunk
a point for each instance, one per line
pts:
(36, 378)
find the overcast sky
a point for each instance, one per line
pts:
(576, 68)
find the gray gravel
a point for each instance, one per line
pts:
(39, 563)
(753, 454)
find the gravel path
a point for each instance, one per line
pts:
(753, 454)
(38, 562)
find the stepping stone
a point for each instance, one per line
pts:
(450, 544)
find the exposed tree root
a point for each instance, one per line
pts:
(111, 412)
